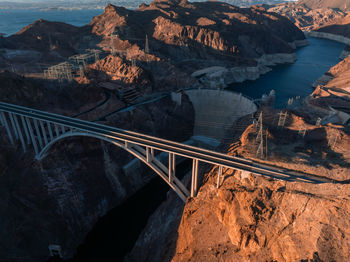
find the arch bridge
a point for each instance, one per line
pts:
(40, 130)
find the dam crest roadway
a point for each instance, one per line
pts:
(42, 129)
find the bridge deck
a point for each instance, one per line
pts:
(153, 143)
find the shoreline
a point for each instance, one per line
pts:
(337, 38)
(326, 78)
(222, 77)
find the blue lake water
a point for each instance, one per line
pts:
(11, 21)
(295, 79)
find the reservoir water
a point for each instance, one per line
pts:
(295, 79)
(13, 20)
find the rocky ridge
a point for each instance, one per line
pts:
(178, 31)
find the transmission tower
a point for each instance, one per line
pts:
(133, 62)
(81, 71)
(333, 140)
(147, 45)
(318, 121)
(259, 126)
(282, 119)
(260, 138)
(112, 44)
(302, 131)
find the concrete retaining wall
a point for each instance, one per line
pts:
(216, 110)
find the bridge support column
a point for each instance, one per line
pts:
(43, 132)
(171, 167)
(25, 129)
(2, 121)
(194, 180)
(219, 176)
(20, 134)
(38, 133)
(149, 156)
(13, 125)
(63, 130)
(50, 130)
(57, 130)
(32, 136)
(3, 117)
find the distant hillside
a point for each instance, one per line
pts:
(314, 4)
(254, 2)
(92, 4)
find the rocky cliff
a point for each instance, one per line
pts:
(332, 93)
(252, 218)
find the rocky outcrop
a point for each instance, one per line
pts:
(332, 93)
(183, 27)
(251, 219)
(309, 17)
(334, 4)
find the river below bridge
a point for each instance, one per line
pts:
(295, 79)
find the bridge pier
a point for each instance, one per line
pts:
(25, 128)
(43, 132)
(219, 176)
(194, 180)
(57, 130)
(50, 130)
(148, 155)
(13, 125)
(32, 136)
(8, 130)
(171, 167)
(38, 135)
(20, 134)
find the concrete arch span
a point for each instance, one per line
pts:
(138, 151)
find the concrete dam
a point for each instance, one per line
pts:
(216, 110)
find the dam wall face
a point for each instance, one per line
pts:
(216, 110)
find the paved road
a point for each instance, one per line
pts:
(203, 155)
